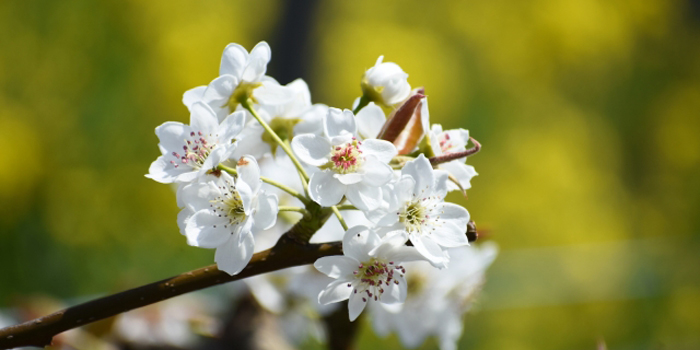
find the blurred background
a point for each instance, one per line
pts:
(588, 111)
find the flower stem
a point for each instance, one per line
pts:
(364, 101)
(246, 105)
(296, 209)
(272, 182)
(346, 207)
(340, 217)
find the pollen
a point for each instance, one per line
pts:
(347, 158)
(375, 274)
(196, 148)
(229, 204)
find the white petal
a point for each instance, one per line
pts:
(435, 143)
(196, 195)
(266, 215)
(424, 114)
(336, 291)
(311, 149)
(348, 179)
(450, 236)
(272, 93)
(193, 95)
(390, 242)
(364, 197)
(358, 242)
(203, 118)
(441, 177)
(186, 176)
(376, 173)
(460, 171)
(182, 217)
(235, 254)
(339, 122)
(395, 293)
(370, 121)
(422, 174)
(382, 149)
(403, 188)
(246, 194)
(456, 214)
(249, 173)
(206, 229)
(218, 155)
(324, 189)
(164, 172)
(219, 91)
(356, 305)
(171, 136)
(233, 61)
(405, 254)
(336, 266)
(430, 250)
(257, 62)
(231, 127)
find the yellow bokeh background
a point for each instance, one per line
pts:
(588, 111)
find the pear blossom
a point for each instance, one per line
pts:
(295, 116)
(450, 141)
(190, 151)
(224, 214)
(385, 83)
(349, 167)
(418, 208)
(241, 75)
(438, 299)
(370, 269)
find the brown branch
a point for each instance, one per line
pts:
(39, 332)
(456, 155)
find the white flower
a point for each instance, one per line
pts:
(349, 167)
(241, 74)
(225, 212)
(438, 299)
(296, 116)
(370, 269)
(450, 141)
(418, 208)
(385, 83)
(190, 151)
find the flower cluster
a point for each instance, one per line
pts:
(384, 177)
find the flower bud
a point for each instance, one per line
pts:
(407, 125)
(385, 83)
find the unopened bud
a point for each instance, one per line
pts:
(408, 124)
(385, 83)
(472, 235)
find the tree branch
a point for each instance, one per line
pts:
(39, 332)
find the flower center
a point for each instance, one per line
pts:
(446, 144)
(420, 215)
(373, 275)
(196, 150)
(242, 93)
(346, 158)
(229, 205)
